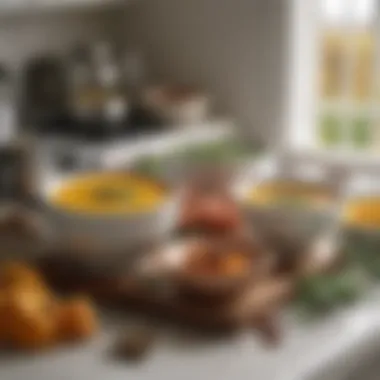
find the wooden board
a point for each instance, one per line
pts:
(255, 305)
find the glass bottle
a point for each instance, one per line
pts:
(15, 156)
(114, 105)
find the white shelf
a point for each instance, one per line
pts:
(30, 7)
(348, 159)
(121, 152)
(124, 151)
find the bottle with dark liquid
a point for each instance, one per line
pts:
(16, 164)
(44, 92)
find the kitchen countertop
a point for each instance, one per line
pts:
(326, 349)
(329, 345)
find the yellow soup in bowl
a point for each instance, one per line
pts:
(109, 193)
(289, 193)
(363, 212)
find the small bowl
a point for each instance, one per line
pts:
(177, 105)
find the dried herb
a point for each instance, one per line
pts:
(134, 344)
(322, 293)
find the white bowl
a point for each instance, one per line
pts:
(111, 233)
(296, 224)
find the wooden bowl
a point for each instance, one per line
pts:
(215, 284)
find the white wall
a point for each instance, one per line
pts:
(24, 35)
(234, 48)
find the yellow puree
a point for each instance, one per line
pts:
(272, 193)
(363, 212)
(109, 193)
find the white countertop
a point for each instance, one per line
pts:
(330, 345)
(323, 350)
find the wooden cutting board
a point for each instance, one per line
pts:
(255, 306)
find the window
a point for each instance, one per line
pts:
(336, 75)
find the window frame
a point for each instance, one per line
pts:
(302, 103)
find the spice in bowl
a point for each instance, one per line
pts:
(215, 263)
(134, 344)
(216, 269)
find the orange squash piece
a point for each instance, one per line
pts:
(32, 331)
(29, 319)
(3, 319)
(15, 273)
(76, 319)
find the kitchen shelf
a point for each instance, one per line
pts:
(118, 153)
(122, 151)
(346, 159)
(30, 7)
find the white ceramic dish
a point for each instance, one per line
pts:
(178, 105)
(112, 233)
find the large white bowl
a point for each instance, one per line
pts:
(113, 234)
